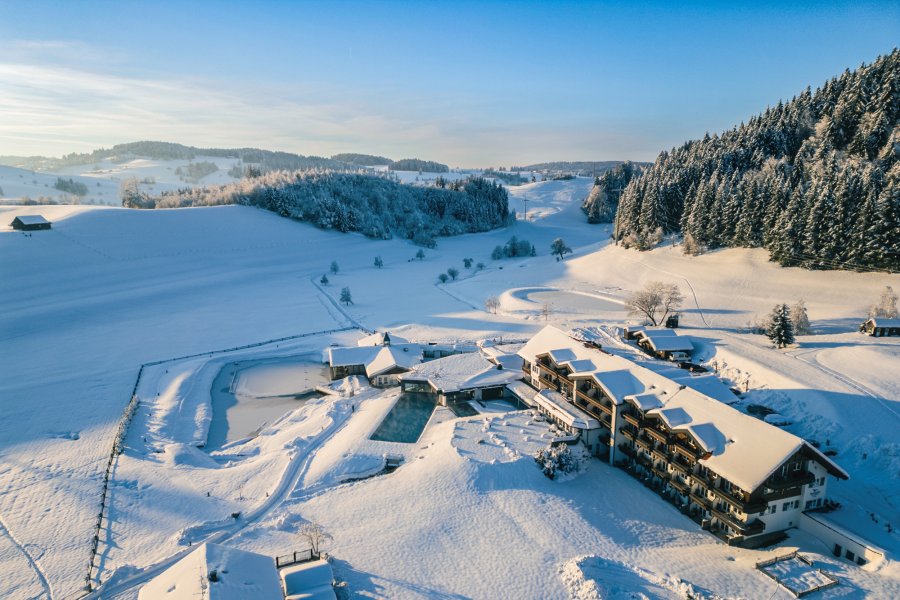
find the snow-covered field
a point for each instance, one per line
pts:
(85, 304)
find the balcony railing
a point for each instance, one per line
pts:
(740, 502)
(604, 406)
(659, 436)
(754, 527)
(630, 418)
(792, 480)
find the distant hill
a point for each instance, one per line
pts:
(266, 159)
(584, 168)
(415, 164)
(816, 180)
(362, 160)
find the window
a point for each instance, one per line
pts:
(797, 466)
(796, 504)
(821, 481)
(809, 504)
(786, 506)
(773, 509)
(850, 555)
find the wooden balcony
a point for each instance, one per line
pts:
(679, 464)
(740, 502)
(555, 373)
(640, 442)
(782, 494)
(752, 528)
(627, 433)
(659, 436)
(630, 418)
(792, 480)
(601, 404)
(685, 451)
(681, 487)
(657, 453)
(661, 473)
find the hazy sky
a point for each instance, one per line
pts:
(469, 84)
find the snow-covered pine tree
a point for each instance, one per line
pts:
(780, 328)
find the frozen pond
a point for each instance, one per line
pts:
(247, 395)
(575, 302)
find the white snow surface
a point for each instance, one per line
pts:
(83, 305)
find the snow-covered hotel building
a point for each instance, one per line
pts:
(738, 476)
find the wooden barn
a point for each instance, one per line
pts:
(30, 223)
(880, 327)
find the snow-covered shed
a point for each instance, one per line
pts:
(459, 377)
(881, 326)
(313, 580)
(30, 223)
(217, 573)
(665, 344)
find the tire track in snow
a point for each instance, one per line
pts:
(339, 308)
(31, 560)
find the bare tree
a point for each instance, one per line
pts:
(314, 535)
(887, 304)
(492, 304)
(546, 310)
(656, 296)
(800, 319)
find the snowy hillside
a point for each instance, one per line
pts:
(105, 290)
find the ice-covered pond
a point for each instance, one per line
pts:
(247, 395)
(575, 302)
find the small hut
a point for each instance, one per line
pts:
(30, 223)
(880, 327)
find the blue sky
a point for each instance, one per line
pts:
(470, 84)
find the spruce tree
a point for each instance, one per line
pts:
(780, 328)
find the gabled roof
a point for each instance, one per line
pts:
(666, 340)
(380, 337)
(461, 372)
(31, 219)
(376, 359)
(240, 574)
(884, 322)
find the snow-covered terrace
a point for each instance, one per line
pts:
(557, 406)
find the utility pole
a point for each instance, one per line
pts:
(525, 202)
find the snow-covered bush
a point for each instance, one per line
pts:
(555, 459)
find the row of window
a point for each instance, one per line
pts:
(773, 508)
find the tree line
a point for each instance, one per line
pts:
(373, 205)
(816, 180)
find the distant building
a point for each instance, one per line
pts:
(30, 223)
(879, 327)
(664, 344)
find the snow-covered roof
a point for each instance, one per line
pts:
(461, 372)
(666, 340)
(32, 219)
(557, 405)
(309, 581)
(379, 337)
(500, 356)
(884, 322)
(239, 574)
(376, 359)
(391, 357)
(741, 448)
(645, 401)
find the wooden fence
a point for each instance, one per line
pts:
(295, 558)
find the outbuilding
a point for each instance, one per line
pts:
(880, 327)
(30, 223)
